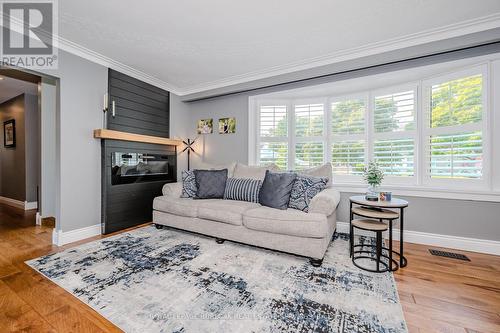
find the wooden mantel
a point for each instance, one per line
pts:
(102, 133)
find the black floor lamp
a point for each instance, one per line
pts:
(189, 148)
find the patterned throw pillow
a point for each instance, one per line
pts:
(242, 189)
(189, 188)
(304, 189)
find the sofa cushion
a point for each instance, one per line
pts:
(179, 206)
(323, 171)
(252, 172)
(226, 211)
(286, 222)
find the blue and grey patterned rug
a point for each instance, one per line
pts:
(150, 280)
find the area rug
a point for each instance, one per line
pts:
(150, 280)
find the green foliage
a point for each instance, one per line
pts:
(373, 175)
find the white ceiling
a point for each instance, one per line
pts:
(194, 46)
(10, 88)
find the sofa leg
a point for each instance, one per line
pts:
(219, 240)
(316, 262)
(158, 226)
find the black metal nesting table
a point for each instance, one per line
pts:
(375, 210)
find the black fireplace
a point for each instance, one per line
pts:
(129, 168)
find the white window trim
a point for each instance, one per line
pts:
(331, 138)
(294, 139)
(427, 132)
(489, 190)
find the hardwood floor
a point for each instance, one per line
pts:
(437, 294)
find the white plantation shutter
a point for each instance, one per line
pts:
(454, 128)
(309, 124)
(395, 112)
(347, 119)
(456, 156)
(273, 121)
(308, 154)
(396, 156)
(395, 134)
(348, 157)
(273, 135)
(309, 120)
(274, 152)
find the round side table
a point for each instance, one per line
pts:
(380, 210)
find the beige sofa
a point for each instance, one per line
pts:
(291, 231)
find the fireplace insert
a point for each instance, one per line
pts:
(128, 168)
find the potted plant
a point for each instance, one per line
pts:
(373, 175)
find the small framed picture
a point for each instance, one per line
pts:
(9, 133)
(205, 126)
(227, 125)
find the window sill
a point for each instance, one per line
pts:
(425, 192)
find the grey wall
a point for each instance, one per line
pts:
(78, 188)
(441, 216)
(32, 140)
(12, 160)
(180, 128)
(48, 177)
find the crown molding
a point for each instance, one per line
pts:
(86, 53)
(64, 44)
(428, 36)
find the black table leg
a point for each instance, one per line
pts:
(351, 236)
(390, 245)
(402, 260)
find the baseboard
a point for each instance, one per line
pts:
(30, 205)
(12, 202)
(453, 242)
(25, 205)
(60, 237)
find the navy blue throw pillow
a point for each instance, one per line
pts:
(276, 189)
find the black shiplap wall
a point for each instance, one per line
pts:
(142, 109)
(139, 107)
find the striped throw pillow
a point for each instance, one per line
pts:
(242, 189)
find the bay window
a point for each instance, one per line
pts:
(430, 133)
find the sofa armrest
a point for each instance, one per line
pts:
(325, 202)
(173, 190)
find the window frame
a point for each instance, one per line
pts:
(365, 96)
(482, 126)
(412, 134)
(487, 188)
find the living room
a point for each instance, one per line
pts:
(257, 167)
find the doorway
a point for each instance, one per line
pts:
(27, 148)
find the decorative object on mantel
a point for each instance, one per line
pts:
(373, 176)
(227, 125)
(102, 133)
(205, 126)
(9, 133)
(189, 148)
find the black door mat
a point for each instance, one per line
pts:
(449, 255)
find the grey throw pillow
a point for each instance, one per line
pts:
(211, 184)
(276, 189)
(304, 189)
(188, 185)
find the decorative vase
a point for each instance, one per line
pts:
(372, 193)
(373, 189)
